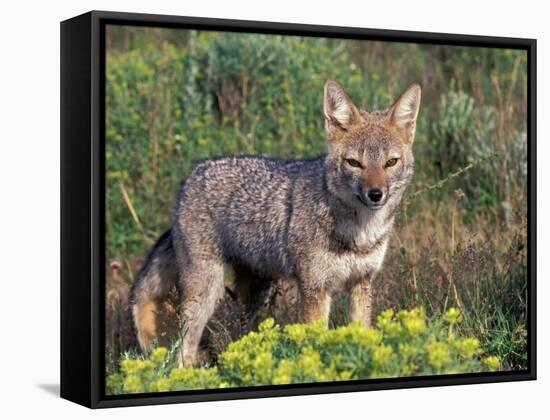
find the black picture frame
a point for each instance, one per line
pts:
(83, 207)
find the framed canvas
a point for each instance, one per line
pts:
(256, 209)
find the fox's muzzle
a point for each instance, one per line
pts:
(374, 198)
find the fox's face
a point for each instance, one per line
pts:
(370, 154)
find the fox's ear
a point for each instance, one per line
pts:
(340, 112)
(405, 110)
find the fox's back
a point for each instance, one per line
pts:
(246, 205)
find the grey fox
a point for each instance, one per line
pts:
(323, 223)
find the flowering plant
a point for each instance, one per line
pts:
(406, 343)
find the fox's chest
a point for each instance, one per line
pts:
(336, 269)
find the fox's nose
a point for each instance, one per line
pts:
(375, 194)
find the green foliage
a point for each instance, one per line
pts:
(402, 344)
(464, 133)
(174, 97)
(456, 136)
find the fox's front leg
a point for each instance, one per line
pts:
(361, 300)
(315, 304)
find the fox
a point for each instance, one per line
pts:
(323, 223)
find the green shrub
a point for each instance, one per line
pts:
(403, 344)
(464, 133)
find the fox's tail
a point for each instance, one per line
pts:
(155, 280)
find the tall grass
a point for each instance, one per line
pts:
(175, 97)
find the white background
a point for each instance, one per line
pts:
(29, 207)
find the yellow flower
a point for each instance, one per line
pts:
(452, 316)
(413, 313)
(466, 347)
(392, 329)
(266, 325)
(382, 355)
(180, 374)
(296, 332)
(283, 373)
(369, 337)
(385, 317)
(438, 354)
(262, 367)
(163, 384)
(189, 378)
(386, 323)
(132, 384)
(492, 363)
(309, 362)
(415, 326)
(158, 355)
(406, 350)
(135, 367)
(114, 381)
(345, 375)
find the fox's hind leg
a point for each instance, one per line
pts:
(202, 287)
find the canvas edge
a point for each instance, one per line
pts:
(76, 210)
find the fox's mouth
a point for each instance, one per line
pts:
(369, 204)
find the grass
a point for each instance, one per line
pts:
(175, 97)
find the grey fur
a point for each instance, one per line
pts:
(306, 220)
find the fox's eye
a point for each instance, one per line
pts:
(354, 163)
(391, 162)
